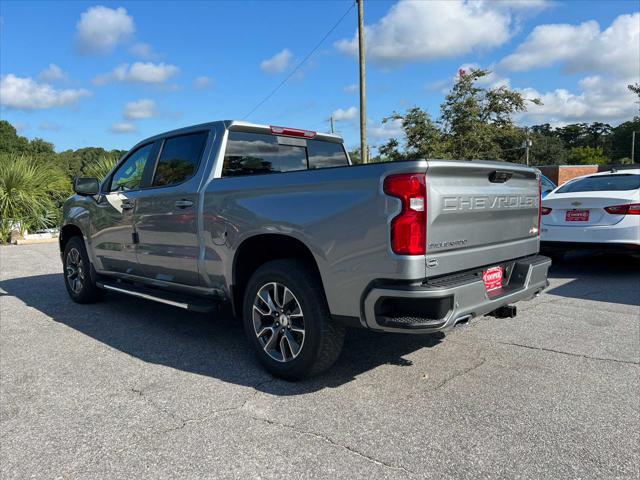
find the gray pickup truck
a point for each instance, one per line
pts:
(276, 224)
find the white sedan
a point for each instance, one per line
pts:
(599, 211)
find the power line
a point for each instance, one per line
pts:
(297, 67)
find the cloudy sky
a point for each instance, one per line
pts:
(109, 74)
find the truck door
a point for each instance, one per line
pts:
(112, 228)
(166, 213)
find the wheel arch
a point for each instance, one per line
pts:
(260, 249)
(67, 232)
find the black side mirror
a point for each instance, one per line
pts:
(86, 186)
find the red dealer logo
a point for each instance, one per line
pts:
(492, 278)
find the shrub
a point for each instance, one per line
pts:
(30, 194)
(100, 167)
(587, 156)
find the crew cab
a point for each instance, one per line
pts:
(278, 225)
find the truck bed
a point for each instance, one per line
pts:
(343, 216)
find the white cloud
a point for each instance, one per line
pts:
(53, 73)
(50, 126)
(140, 109)
(386, 130)
(143, 50)
(100, 29)
(123, 127)
(353, 88)
(428, 30)
(342, 115)
(602, 99)
(139, 72)
(278, 63)
(202, 83)
(582, 48)
(24, 93)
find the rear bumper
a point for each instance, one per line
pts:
(621, 247)
(625, 231)
(439, 305)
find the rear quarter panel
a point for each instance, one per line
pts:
(340, 214)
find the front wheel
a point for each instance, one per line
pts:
(77, 273)
(287, 320)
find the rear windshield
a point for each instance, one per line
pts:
(258, 153)
(602, 183)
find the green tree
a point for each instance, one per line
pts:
(354, 155)
(635, 88)
(39, 147)
(587, 156)
(30, 195)
(547, 150)
(621, 140)
(423, 138)
(10, 141)
(477, 120)
(572, 135)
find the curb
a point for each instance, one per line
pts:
(35, 241)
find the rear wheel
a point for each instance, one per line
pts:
(77, 273)
(287, 320)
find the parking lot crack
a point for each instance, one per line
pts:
(460, 374)
(601, 359)
(154, 405)
(329, 440)
(214, 413)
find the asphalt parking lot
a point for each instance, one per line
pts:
(133, 389)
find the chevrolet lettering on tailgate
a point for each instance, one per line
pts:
(488, 202)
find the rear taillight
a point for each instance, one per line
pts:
(545, 210)
(409, 228)
(540, 204)
(629, 209)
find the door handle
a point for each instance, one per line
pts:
(127, 205)
(183, 203)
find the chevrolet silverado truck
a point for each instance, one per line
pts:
(278, 225)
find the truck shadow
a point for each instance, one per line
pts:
(213, 345)
(598, 277)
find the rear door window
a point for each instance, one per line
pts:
(602, 183)
(256, 153)
(326, 154)
(179, 159)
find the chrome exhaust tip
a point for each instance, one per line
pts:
(461, 321)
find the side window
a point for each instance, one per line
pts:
(179, 159)
(326, 154)
(129, 175)
(255, 153)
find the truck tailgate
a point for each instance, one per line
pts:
(479, 213)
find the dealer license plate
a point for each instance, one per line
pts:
(492, 278)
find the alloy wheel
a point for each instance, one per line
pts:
(278, 322)
(75, 271)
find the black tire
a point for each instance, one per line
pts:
(75, 258)
(323, 338)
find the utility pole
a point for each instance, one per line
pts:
(527, 144)
(331, 119)
(363, 91)
(633, 146)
